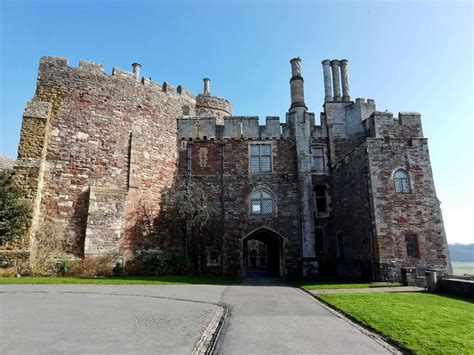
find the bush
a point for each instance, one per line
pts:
(93, 266)
(14, 211)
(48, 248)
(154, 263)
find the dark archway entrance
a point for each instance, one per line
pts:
(263, 252)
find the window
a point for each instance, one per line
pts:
(213, 258)
(260, 158)
(411, 241)
(402, 182)
(185, 110)
(340, 245)
(318, 239)
(318, 159)
(262, 203)
(321, 198)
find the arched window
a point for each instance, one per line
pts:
(262, 203)
(401, 181)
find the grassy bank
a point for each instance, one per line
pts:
(327, 285)
(421, 322)
(121, 280)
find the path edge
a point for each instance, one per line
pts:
(206, 344)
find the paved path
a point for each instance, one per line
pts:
(368, 290)
(275, 319)
(97, 319)
(265, 317)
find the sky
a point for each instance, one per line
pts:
(408, 56)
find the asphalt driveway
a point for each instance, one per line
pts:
(264, 318)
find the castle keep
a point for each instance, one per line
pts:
(348, 193)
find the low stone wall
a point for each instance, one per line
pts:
(457, 286)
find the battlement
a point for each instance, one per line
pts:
(50, 67)
(234, 127)
(383, 124)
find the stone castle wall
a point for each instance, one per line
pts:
(221, 168)
(113, 133)
(398, 143)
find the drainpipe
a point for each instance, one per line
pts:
(222, 208)
(369, 204)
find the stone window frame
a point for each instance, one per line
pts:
(324, 157)
(321, 214)
(417, 244)
(261, 215)
(408, 178)
(213, 263)
(250, 144)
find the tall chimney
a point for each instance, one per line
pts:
(327, 80)
(207, 87)
(336, 80)
(345, 80)
(296, 85)
(137, 70)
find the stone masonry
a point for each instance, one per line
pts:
(350, 195)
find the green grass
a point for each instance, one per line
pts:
(421, 322)
(121, 280)
(327, 285)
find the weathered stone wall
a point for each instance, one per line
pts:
(351, 239)
(238, 183)
(397, 214)
(106, 131)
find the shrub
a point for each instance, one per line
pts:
(48, 248)
(92, 266)
(14, 210)
(154, 263)
(8, 271)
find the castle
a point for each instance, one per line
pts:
(352, 195)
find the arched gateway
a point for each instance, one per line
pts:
(263, 252)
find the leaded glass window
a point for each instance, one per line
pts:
(402, 182)
(411, 241)
(318, 159)
(262, 203)
(260, 158)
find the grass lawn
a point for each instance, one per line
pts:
(121, 280)
(421, 322)
(326, 285)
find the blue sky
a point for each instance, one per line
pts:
(408, 56)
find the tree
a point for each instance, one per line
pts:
(191, 208)
(14, 210)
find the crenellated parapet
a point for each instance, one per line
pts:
(53, 68)
(384, 125)
(234, 127)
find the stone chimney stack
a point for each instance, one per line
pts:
(336, 80)
(340, 78)
(327, 80)
(207, 87)
(297, 85)
(345, 80)
(137, 68)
